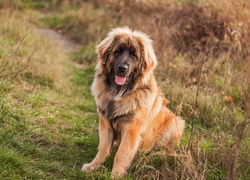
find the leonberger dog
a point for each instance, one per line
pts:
(132, 110)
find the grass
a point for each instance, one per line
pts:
(48, 119)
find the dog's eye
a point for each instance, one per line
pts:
(134, 55)
(118, 51)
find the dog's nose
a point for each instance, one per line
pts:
(122, 68)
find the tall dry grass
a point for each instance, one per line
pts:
(25, 55)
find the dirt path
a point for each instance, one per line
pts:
(65, 44)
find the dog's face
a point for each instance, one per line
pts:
(124, 55)
(124, 61)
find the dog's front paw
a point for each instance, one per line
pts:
(118, 174)
(88, 167)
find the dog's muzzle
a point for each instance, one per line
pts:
(120, 78)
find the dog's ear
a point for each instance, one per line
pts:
(148, 58)
(142, 65)
(104, 49)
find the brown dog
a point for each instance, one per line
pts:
(132, 109)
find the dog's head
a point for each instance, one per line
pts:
(124, 55)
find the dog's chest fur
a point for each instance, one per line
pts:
(121, 105)
(109, 111)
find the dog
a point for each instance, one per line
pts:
(132, 109)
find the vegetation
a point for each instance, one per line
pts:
(48, 121)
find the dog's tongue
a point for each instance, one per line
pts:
(120, 80)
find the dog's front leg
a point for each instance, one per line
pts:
(106, 138)
(130, 141)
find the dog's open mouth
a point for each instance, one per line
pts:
(121, 80)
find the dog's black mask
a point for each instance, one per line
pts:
(124, 65)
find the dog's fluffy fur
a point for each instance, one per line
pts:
(132, 110)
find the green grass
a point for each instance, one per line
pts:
(48, 119)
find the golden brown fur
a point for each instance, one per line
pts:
(132, 109)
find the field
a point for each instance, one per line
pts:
(48, 118)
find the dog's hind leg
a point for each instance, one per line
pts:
(174, 133)
(106, 139)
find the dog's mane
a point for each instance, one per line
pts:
(118, 102)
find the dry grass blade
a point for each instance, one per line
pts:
(183, 166)
(7, 62)
(240, 135)
(205, 57)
